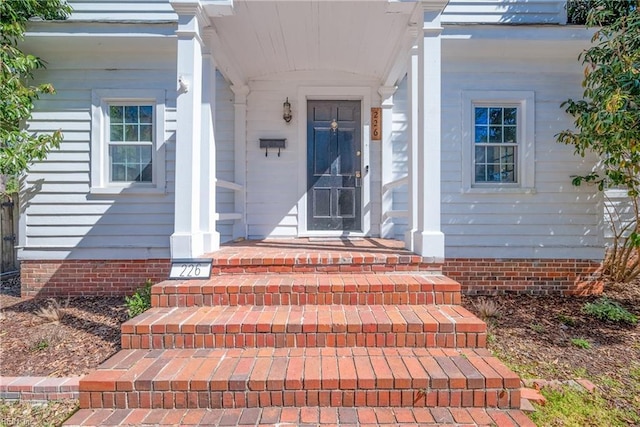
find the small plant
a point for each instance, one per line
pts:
(487, 309)
(52, 313)
(39, 345)
(606, 309)
(537, 327)
(567, 320)
(581, 343)
(139, 302)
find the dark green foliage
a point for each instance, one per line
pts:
(607, 309)
(139, 302)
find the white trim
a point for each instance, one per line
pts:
(525, 101)
(100, 100)
(342, 93)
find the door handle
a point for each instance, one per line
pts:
(358, 174)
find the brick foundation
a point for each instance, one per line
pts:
(477, 276)
(489, 276)
(89, 277)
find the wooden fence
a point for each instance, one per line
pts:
(9, 233)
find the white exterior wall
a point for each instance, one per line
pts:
(272, 182)
(505, 12)
(61, 218)
(122, 10)
(557, 220)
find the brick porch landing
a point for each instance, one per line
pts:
(285, 329)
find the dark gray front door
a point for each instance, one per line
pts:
(333, 166)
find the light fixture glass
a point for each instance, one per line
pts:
(286, 108)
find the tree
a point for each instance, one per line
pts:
(19, 148)
(607, 122)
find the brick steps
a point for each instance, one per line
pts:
(236, 378)
(312, 288)
(305, 416)
(305, 326)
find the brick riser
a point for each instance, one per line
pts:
(300, 377)
(342, 267)
(317, 289)
(305, 326)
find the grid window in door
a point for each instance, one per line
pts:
(131, 143)
(495, 136)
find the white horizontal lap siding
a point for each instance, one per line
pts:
(62, 218)
(225, 169)
(122, 10)
(557, 220)
(505, 12)
(272, 181)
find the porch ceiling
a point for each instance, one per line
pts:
(366, 37)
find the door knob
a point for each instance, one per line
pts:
(358, 174)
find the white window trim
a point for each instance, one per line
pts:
(100, 100)
(525, 101)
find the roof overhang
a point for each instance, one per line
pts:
(254, 39)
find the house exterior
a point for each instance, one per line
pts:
(427, 121)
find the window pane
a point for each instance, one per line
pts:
(116, 133)
(482, 115)
(510, 134)
(481, 155)
(495, 134)
(493, 155)
(481, 134)
(146, 114)
(131, 114)
(146, 133)
(481, 173)
(495, 116)
(493, 173)
(115, 113)
(131, 163)
(507, 155)
(510, 116)
(131, 133)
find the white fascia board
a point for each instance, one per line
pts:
(576, 33)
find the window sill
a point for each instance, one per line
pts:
(499, 190)
(126, 191)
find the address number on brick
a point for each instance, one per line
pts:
(190, 269)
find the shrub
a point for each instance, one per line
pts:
(487, 309)
(139, 302)
(606, 309)
(52, 313)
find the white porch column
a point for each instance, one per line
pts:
(386, 94)
(208, 215)
(412, 150)
(187, 241)
(240, 157)
(428, 237)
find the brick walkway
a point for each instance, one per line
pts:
(305, 416)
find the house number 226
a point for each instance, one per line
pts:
(376, 124)
(190, 269)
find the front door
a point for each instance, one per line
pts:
(334, 177)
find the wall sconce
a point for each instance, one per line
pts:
(286, 111)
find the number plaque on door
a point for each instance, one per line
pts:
(376, 124)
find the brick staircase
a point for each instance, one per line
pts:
(288, 329)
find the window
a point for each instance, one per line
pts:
(127, 142)
(495, 134)
(498, 141)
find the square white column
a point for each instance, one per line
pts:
(386, 94)
(428, 239)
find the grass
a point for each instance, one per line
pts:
(571, 407)
(23, 414)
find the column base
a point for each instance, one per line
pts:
(187, 245)
(211, 241)
(429, 244)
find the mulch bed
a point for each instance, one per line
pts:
(87, 333)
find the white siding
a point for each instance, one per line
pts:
(122, 10)
(558, 220)
(505, 12)
(224, 154)
(272, 181)
(62, 218)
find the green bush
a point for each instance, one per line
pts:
(139, 302)
(606, 309)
